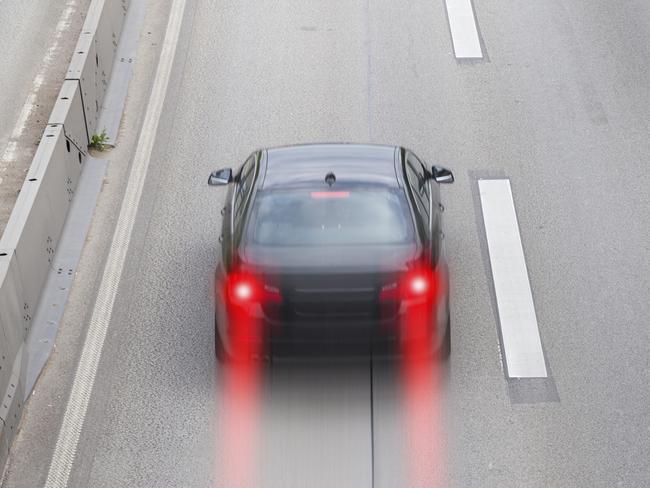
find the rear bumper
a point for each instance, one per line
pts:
(262, 332)
(331, 337)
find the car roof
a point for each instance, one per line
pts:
(308, 164)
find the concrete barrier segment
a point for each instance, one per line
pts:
(32, 235)
(15, 317)
(13, 391)
(68, 111)
(11, 404)
(34, 227)
(11, 318)
(83, 69)
(92, 62)
(5, 353)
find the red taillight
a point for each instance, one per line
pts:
(245, 288)
(419, 283)
(414, 284)
(242, 289)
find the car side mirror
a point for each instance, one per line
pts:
(220, 177)
(442, 175)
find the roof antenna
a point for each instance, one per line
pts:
(330, 178)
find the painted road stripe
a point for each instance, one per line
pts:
(75, 413)
(464, 33)
(522, 345)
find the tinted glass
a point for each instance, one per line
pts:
(355, 217)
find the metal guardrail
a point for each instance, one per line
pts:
(31, 237)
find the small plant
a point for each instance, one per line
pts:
(98, 141)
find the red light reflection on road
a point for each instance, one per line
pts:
(238, 423)
(240, 394)
(421, 402)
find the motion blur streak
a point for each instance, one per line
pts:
(422, 399)
(238, 424)
(238, 421)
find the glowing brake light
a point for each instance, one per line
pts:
(330, 194)
(244, 289)
(419, 285)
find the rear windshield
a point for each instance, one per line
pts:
(300, 217)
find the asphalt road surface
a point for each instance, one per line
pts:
(37, 40)
(559, 105)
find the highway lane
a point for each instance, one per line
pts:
(559, 106)
(37, 40)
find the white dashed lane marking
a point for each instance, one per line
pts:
(522, 345)
(464, 33)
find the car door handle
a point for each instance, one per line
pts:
(223, 211)
(221, 238)
(442, 207)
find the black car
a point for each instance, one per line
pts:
(331, 248)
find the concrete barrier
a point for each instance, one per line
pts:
(14, 318)
(12, 402)
(31, 237)
(68, 111)
(94, 55)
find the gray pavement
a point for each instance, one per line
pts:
(37, 40)
(559, 106)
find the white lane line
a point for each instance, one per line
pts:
(73, 419)
(464, 33)
(521, 342)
